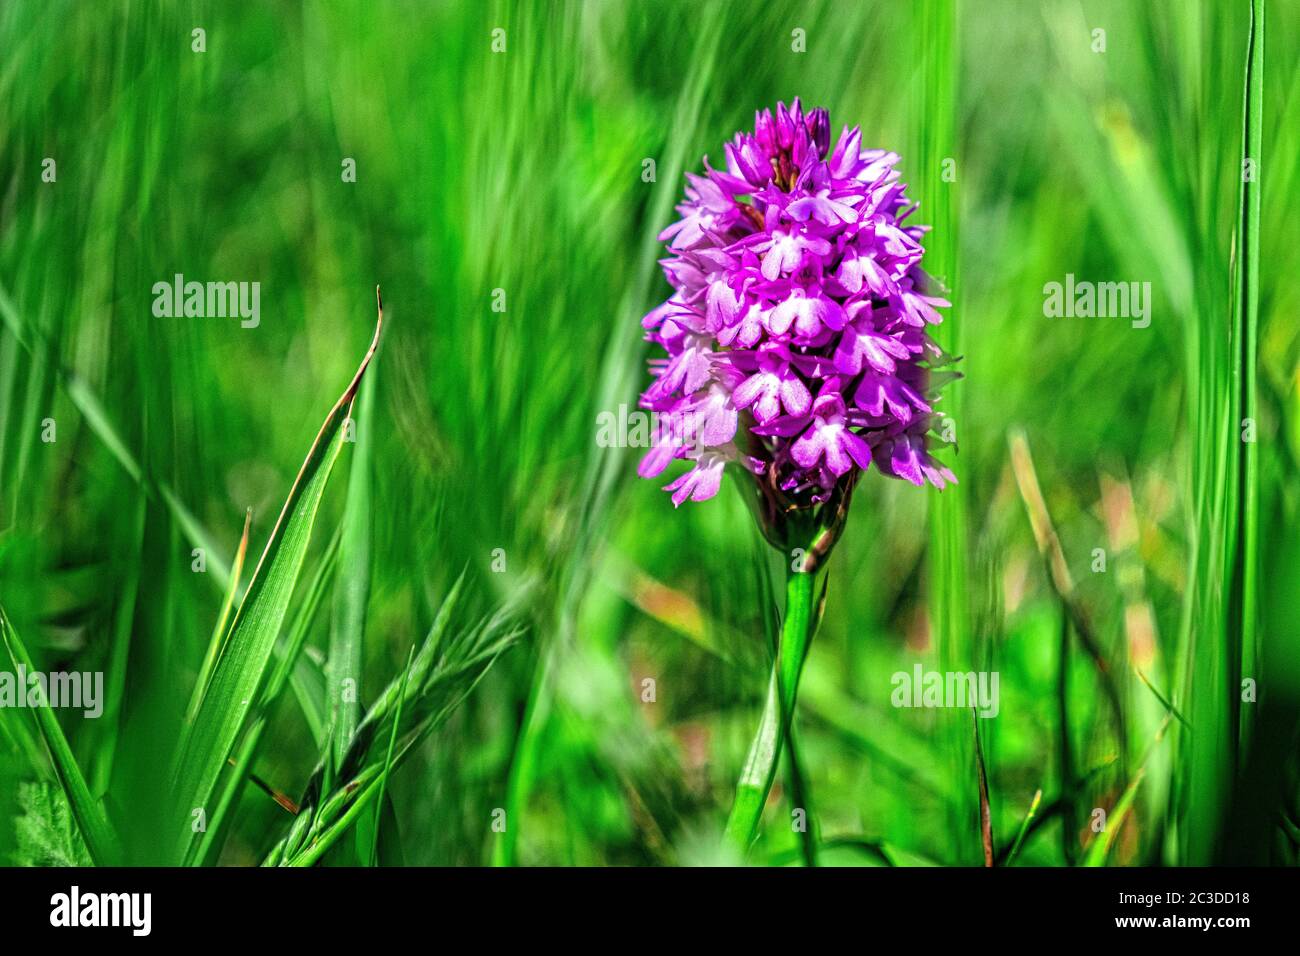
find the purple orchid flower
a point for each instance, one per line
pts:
(795, 275)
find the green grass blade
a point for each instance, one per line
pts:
(204, 850)
(1164, 701)
(933, 141)
(219, 633)
(351, 593)
(388, 757)
(1218, 636)
(1101, 845)
(1246, 302)
(101, 840)
(241, 669)
(1024, 827)
(307, 681)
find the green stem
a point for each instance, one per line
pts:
(799, 798)
(801, 620)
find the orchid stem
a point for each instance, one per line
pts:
(802, 615)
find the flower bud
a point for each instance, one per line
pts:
(819, 127)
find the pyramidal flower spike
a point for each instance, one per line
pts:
(795, 354)
(794, 343)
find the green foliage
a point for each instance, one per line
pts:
(451, 661)
(96, 829)
(242, 666)
(522, 171)
(46, 832)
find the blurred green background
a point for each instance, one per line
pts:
(522, 171)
